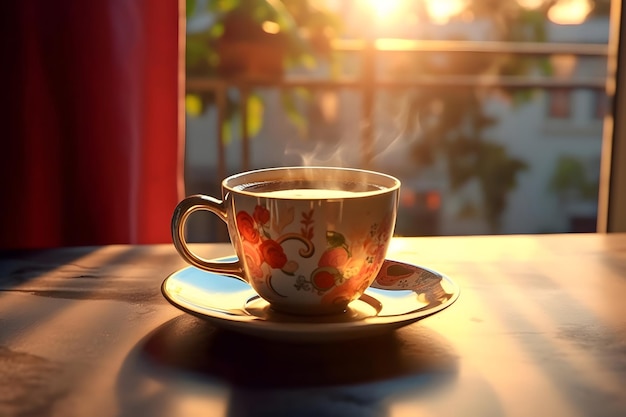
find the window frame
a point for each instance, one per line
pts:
(612, 193)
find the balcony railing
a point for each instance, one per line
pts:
(368, 82)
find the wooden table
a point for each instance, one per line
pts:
(539, 330)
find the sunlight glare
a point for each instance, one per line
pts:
(530, 4)
(440, 11)
(569, 12)
(384, 8)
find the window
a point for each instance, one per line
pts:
(559, 103)
(600, 105)
(448, 102)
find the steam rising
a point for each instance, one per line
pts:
(390, 148)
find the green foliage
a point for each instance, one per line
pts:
(570, 179)
(497, 172)
(190, 7)
(289, 101)
(255, 114)
(305, 28)
(304, 32)
(450, 125)
(454, 130)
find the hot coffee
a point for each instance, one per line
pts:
(308, 240)
(303, 189)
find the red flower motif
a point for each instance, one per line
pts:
(391, 272)
(253, 260)
(335, 257)
(261, 215)
(273, 253)
(323, 280)
(247, 227)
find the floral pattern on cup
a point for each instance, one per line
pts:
(262, 252)
(350, 264)
(346, 263)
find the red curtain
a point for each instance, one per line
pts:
(92, 147)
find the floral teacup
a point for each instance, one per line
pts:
(309, 240)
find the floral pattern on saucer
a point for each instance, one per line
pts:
(401, 276)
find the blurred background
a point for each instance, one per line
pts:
(497, 115)
(489, 111)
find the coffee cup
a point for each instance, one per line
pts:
(309, 240)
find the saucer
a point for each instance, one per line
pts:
(402, 294)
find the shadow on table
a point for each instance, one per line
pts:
(19, 266)
(203, 370)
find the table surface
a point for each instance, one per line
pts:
(538, 330)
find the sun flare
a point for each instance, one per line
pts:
(530, 4)
(569, 12)
(384, 8)
(440, 11)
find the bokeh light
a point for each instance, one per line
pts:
(530, 4)
(440, 11)
(383, 9)
(569, 12)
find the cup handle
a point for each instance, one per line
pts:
(182, 212)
